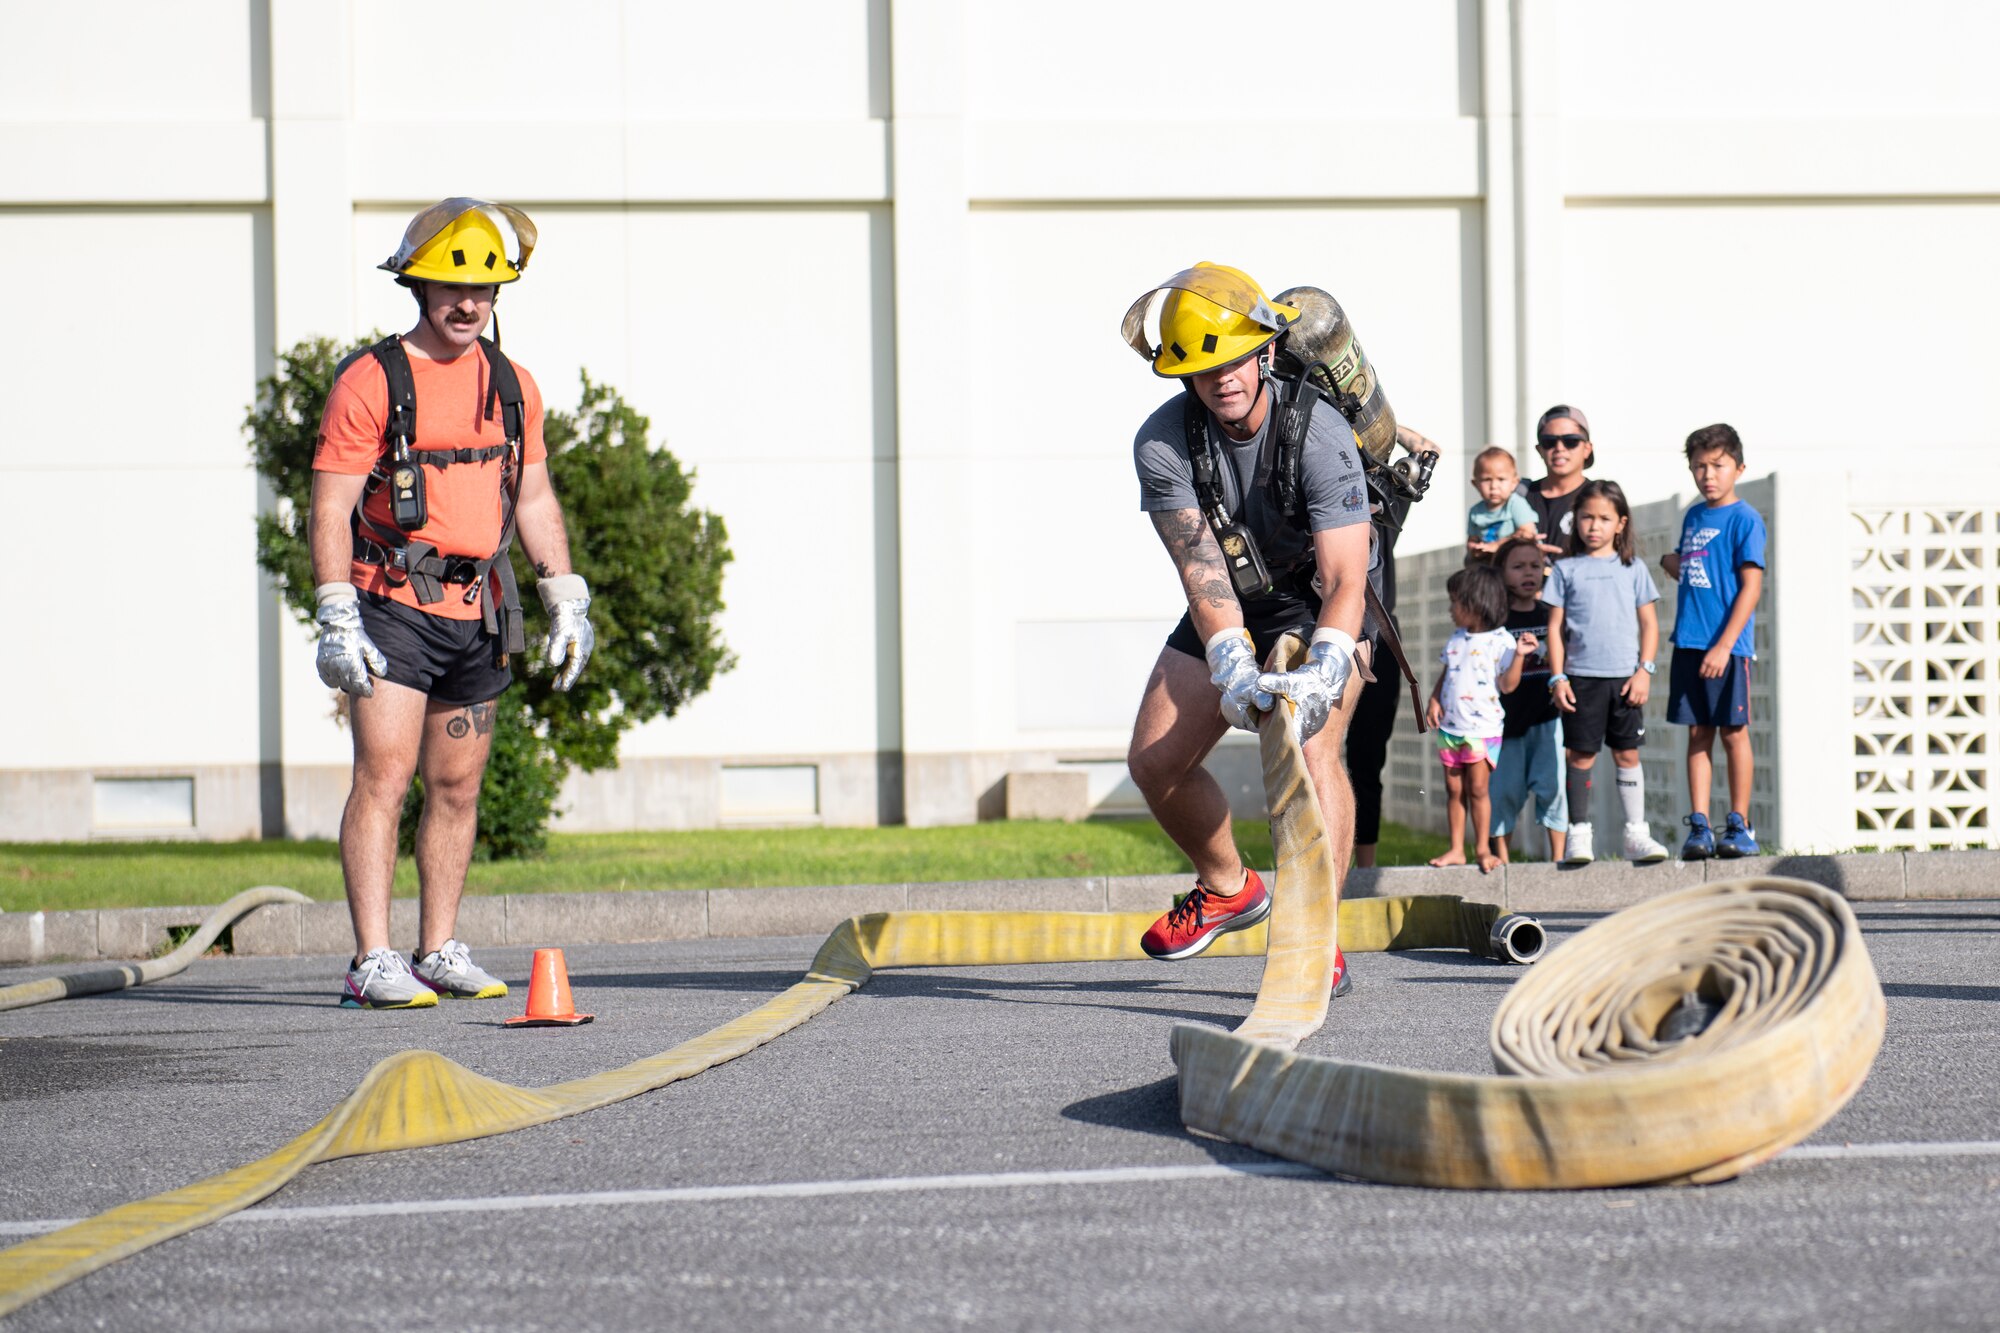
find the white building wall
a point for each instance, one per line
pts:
(862, 263)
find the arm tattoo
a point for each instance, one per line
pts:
(1187, 539)
(542, 570)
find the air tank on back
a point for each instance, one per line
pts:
(1322, 343)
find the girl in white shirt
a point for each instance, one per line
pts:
(1480, 661)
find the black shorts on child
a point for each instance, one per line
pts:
(1693, 701)
(1602, 717)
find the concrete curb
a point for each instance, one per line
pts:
(639, 916)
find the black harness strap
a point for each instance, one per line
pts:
(1295, 414)
(1201, 457)
(502, 614)
(402, 423)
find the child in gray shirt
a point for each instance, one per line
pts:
(1603, 631)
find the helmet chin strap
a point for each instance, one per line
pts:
(1265, 374)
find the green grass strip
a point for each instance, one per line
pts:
(75, 876)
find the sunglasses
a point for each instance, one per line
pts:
(1548, 442)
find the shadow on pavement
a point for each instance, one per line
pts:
(1924, 991)
(925, 984)
(919, 985)
(1155, 1108)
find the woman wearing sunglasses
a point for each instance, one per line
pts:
(1562, 437)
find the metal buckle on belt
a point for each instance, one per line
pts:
(389, 557)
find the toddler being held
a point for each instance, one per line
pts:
(1502, 513)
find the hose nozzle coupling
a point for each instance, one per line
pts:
(1517, 939)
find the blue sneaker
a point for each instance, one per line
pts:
(1737, 839)
(1700, 844)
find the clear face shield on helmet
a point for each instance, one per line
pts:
(1231, 290)
(426, 226)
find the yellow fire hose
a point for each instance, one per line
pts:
(98, 980)
(1796, 1019)
(420, 1098)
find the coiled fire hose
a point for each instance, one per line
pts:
(1683, 1040)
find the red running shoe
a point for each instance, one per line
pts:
(1203, 914)
(1342, 981)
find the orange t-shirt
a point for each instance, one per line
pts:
(463, 498)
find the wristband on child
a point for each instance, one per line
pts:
(1556, 680)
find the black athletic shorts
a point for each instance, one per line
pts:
(1267, 619)
(449, 660)
(1693, 701)
(1602, 717)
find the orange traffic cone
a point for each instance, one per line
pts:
(548, 995)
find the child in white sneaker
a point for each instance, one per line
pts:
(1603, 633)
(1480, 661)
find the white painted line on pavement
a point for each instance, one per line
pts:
(1974, 1148)
(819, 1189)
(808, 1189)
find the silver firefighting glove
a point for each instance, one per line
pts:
(346, 656)
(1320, 681)
(1232, 668)
(566, 597)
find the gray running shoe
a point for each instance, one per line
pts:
(452, 973)
(382, 980)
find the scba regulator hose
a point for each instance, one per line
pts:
(1681, 1041)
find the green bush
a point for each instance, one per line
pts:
(653, 560)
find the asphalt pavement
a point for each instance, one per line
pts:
(988, 1148)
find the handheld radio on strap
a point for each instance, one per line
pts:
(409, 508)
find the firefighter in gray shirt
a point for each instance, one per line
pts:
(1212, 465)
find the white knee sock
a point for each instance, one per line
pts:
(1632, 793)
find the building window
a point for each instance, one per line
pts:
(770, 793)
(137, 805)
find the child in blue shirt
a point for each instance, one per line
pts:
(1720, 572)
(1501, 513)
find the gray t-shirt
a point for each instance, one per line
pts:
(1600, 598)
(1330, 477)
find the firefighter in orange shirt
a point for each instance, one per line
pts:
(430, 461)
